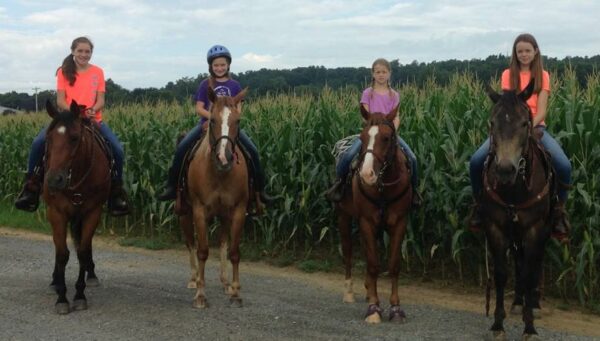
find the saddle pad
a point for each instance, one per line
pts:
(341, 146)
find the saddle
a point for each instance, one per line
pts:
(93, 127)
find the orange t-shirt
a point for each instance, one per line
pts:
(85, 89)
(525, 77)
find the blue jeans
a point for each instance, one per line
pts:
(343, 166)
(39, 144)
(559, 160)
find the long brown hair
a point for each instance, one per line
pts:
(383, 62)
(536, 64)
(68, 67)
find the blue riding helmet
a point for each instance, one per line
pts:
(216, 52)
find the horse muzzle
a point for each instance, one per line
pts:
(506, 171)
(57, 180)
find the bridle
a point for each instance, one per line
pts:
(214, 141)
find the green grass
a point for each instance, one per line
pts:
(11, 217)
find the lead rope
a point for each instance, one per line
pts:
(488, 288)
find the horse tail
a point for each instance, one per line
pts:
(76, 227)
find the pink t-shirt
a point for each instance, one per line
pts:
(525, 77)
(380, 103)
(85, 89)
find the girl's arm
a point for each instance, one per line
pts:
(542, 106)
(61, 100)
(366, 106)
(201, 111)
(99, 105)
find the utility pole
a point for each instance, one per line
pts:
(36, 98)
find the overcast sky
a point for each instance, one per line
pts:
(147, 43)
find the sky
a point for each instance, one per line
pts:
(147, 43)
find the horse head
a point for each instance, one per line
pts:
(510, 129)
(63, 139)
(378, 148)
(224, 128)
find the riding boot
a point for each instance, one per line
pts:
(29, 198)
(560, 222)
(117, 201)
(475, 221)
(336, 192)
(169, 191)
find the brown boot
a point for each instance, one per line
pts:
(29, 198)
(560, 223)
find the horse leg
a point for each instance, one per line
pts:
(517, 305)
(345, 228)
(200, 223)
(237, 224)
(92, 280)
(396, 236)
(531, 276)
(373, 314)
(187, 227)
(223, 248)
(498, 246)
(84, 255)
(59, 236)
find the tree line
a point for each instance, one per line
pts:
(312, 79)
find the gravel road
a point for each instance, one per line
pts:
(143, 296)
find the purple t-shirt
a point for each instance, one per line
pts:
(229, 88)
(380, 103)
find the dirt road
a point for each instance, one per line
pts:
(143, 296)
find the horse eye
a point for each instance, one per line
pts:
(73, 139)
(525, 124)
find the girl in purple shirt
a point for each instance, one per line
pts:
(378, 98)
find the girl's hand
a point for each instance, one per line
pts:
(90, 112)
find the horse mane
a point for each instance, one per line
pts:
(65, 117)
(378, 119)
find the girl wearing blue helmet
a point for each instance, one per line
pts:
(219, 61)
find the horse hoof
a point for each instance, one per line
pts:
(397, 315)
(191, 285)
(516, 309)
(200, 303)
(531, 337)
(62, 308)
(373, 315)
(349, 298)
(537, 313)
(51, 289)
(92, 282)
(499, 335)
(79, 305)
(228, 290)
(235, 302)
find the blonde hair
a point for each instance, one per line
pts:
(381, 62)
(536, 65)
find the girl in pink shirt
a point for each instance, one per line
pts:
(378, 98)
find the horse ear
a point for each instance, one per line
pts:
(51, 109)
(212, 97)
(74, 109)
(239, 97)
(494, 96)
(392, 114)
(528, 91)
(364, 112)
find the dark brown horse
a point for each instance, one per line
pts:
(380, 200)
(76, 185)
(217, 187)
(516, 202)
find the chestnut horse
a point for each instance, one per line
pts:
(76, 185)
(515, 203)
(217, 187)
(380, 200)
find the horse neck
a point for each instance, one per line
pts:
(89, 162)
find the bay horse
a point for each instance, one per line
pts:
(76, 185)
(217, 187)
(380, 200)
(518, 183)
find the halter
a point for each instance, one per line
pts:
(381, 202)
(524, 170)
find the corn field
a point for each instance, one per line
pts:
(295, 133)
